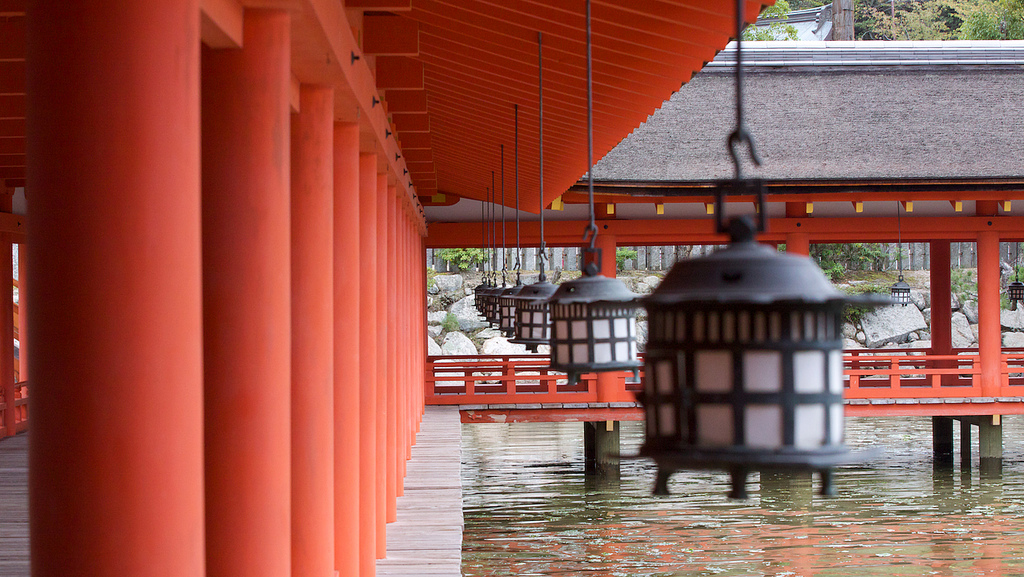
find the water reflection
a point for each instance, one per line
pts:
(530, 510)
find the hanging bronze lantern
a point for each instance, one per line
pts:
(1015, 291)
(744, 366)
(507, 308)
(533, 320)
(900, 292)
(593, 318)
(593, 327)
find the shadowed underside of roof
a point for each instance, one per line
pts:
(479, 60)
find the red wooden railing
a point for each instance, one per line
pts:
(20, 409)
(473, 379)
(869, 373)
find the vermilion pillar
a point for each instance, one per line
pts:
(113, 163)
(382, 346)
(247, 301)
(391, 292)
(989, 332)
(941, 320)
(939, 276)
(798, 243)
(7, 323)
(313, 338)
(368, 326)
(348, 346)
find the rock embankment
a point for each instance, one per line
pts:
(455, 328)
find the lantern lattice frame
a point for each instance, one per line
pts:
(492, 309)
(1015, 291)
(743, 365)
(507, 309)
(593, 327)
(900, 292)
(533, 315)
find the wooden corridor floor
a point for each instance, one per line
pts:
(14, 561)
(426, 540)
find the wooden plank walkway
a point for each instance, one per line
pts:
(14, 561)
(426, 540)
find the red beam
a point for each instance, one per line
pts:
(701, 231)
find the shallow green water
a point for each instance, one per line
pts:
(530, 510)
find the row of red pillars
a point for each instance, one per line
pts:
(226, 314)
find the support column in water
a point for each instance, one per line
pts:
(942, 441)
(965, 444)
(601, 447)
(990, 444)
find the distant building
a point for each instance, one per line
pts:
(811, 23)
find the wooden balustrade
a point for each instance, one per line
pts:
(20, 409)
(869, 374)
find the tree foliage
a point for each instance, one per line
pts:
(924, 19)
(463, 258)
(836, 259)
(777, 30)
(622, 255)
(991, 20)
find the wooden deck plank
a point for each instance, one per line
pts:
(426, 540)
(14, 548)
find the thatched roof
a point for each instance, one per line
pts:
(842, 110)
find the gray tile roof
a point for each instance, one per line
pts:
(945, 118)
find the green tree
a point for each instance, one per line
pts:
(913, 20)
(621, 255)
(991, 19)
(836, 259)
(463, 258)
(775, 30)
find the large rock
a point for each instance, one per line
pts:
(433, 349)
(434, 331)
(487, 333)
(1013, 340)
(1012, 320)
(891, 324)
(436, 318)
(963, 336)
(642, 288)
(501, 346)
(465, 311)
(641, 335)
(920, 298)
(970, 310)
(448, 284)
(851, 344)
(457, 344)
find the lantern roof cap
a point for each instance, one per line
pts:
(591, 289)
(537, 291)
(748, 272)
(512, 291)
